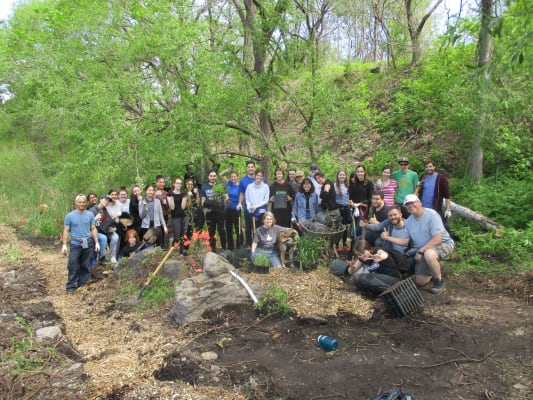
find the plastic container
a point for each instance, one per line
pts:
(327, 343)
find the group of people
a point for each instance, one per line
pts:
(388, 213)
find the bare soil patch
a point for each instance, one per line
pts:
(472, 342)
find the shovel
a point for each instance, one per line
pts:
(155, 272)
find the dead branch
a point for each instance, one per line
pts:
(452, 361)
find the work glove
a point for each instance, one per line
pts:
(448, 213)
(195, 190)
(356, 212)
(97, 247)
(251, 210)
(165, 229)
(189, 194)
(64, 250)
(239, 207)
(293, 219)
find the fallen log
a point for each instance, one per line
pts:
(481, 220)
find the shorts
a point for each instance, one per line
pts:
(443, 250)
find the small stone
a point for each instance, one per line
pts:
(48, 334)
(209, 356)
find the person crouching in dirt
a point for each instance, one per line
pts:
(375, 270)
(80, 225)
(265, 240)
(133, 244)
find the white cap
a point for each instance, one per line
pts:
(410, 198)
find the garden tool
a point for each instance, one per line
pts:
(150, 277)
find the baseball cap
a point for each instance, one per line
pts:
(106, 196)
(314, 166)
(299, 173)
(403, 159)
(410, 198)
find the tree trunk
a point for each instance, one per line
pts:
(481, 220)
(415, 30)
(484, 53)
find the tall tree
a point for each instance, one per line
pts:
(484, 56)
(415, 29)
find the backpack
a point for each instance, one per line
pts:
(393, 394)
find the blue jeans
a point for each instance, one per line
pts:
(273, 256)
(79, 270)
(102, 241)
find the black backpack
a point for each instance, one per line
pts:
(393, 394)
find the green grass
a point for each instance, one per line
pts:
(21, 354)
(11, 254)
(510, 252)
(275, 300)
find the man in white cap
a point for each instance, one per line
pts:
(427, 232)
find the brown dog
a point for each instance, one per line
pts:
(287, 242)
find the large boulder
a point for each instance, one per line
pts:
(214, 289)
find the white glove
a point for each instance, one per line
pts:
(189, 194)
(195, 190)
(251, 210)
(239, 207)
(448, 213)
(64, 250)
(165, 229)
(97, 247)
(356, 212)
(293, 219)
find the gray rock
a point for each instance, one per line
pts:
(131, 267)
(205, 292)
(215, 265)
(175, 270)
(209, 356)
(48, 334)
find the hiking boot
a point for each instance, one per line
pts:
(438, 286)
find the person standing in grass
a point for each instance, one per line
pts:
(80, 226)
(407, 183)
(387, 185)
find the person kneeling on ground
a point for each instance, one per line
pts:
(133, 245)
(375, 270)
(266, 239)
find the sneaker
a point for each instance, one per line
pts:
(113, 260)
(438, 286)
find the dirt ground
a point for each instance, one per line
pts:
(472, 342)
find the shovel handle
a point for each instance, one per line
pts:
(149, 279)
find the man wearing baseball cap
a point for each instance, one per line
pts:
(434, 243)
(407, 182)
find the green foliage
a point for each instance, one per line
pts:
(11, 254)
(309, 249)
(261, 260)
(159, 291)
(507, 200)
(484, 253)
(21, 355)
(275, 300)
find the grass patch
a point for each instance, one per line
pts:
(275, 300)
(11, 254)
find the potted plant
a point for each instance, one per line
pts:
(261, 263)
